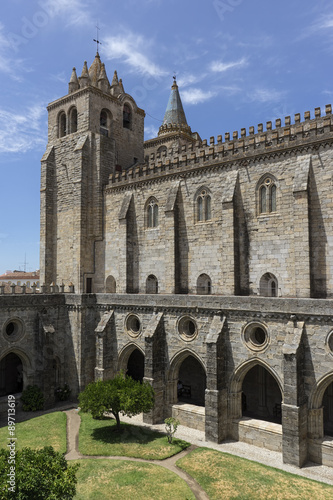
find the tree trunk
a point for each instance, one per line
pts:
(116, 415)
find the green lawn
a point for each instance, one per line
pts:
(124, 480)
(225, 476)
(45, 430)
(100, 437)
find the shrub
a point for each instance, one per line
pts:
(32, 398)
(36, 475)
(63, 393)
(171, 425)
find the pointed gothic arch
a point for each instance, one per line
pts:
(317, 413)
(237, 402)
(125, 355)
(72, 120)
(151, 213)
(127, 116)
(187, 368)
(267, 195)
(105, 120)
(204, 285)
(62, 124)
(203, 205)
(14, 367)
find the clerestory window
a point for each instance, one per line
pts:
(203, 206)
(267, 196)
(152, 213)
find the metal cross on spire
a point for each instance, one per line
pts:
(96, 39)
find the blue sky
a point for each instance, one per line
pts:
(238, 63)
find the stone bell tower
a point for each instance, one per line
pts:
(92, 131)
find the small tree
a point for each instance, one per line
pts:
(121, 394)
(171, 425)
(36, 475)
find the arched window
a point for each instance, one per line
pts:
(110, 285)
(127, 116)
(73, 120)
(105, 122)
(151, 284)
(152, 213)
(267, 196)
(268, 285)
(62, 124)
(204, 285)
(203, 206)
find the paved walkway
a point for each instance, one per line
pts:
(73, 425)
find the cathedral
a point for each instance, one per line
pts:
(204, 267)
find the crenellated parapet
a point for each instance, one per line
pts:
(13, 289)
(246, 146)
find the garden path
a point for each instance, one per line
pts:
(73, 425)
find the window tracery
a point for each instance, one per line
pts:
(203, 206)
(267, 196)
(152, 213)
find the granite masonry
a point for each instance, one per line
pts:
(203, 267)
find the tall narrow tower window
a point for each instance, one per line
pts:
(62, 124)
(105, 122)
(73, 120)
(127, 117)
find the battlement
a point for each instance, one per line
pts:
(13, 289)
(235, 146)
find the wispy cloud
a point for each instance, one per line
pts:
(264, 95)
(8, 65)
(188, 79)
(25, 132)
(150, 131)
(220, 66)
(77, 12)
(132, 49)
(322, 25)
(196, 96)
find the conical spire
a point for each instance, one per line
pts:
(174, 113)
(103, 82)
(95, 69)
(114, 79)
(73, 82)
(84, 79)
(121, 86)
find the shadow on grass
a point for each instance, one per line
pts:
(129, 433)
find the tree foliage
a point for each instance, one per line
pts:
(38, 474)
(119, 395)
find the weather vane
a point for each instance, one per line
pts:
(174, 75)
(96, 39)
